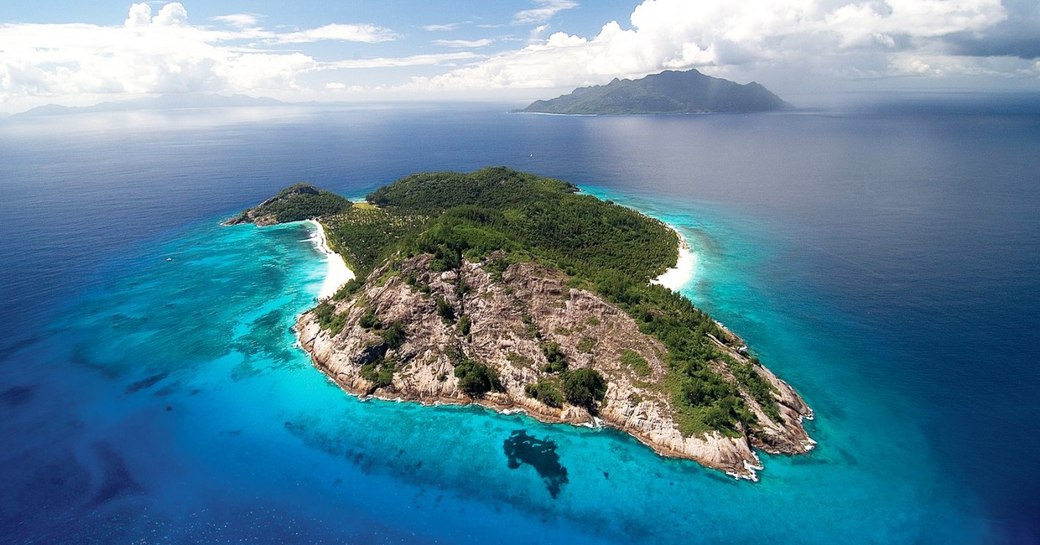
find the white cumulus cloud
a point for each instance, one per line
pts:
(140, 15)
(878, 37)
(158, 52)
(171, 14)
(786, 44)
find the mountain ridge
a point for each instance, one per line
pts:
(668, 92)
(160, 102)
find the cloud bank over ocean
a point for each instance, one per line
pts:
(795, 46)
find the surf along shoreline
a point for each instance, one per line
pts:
(336, 271)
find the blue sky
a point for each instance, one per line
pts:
(80, 53)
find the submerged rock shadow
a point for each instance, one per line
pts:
(116, 480)
(540, 454)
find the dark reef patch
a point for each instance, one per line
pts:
(169, 389)
(7, 351)
(540, 454)
(17, 395)
(265, 338)
(145, 383)
(116, 481)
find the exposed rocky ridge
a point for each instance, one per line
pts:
(511, 318)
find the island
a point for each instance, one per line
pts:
(669, 92)
(519, 293)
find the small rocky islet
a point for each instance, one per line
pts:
(516, 292)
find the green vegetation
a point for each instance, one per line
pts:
(637, 363)
(365, 237)
(758, 387)
(499, 216)
(298, 202)
(415, 284)
(519, 361)
(445, 311)
(529, 215)
(556, 361)
(585, 388)
(545, 391)
(346, 290)
(369, 320)
(386, 276)
(706, 401)
(496, 188)
(380, 373)
(394, 335)
(530, 328)
(328, 319)
(475, 378)
(498, 262)
(582, 387)
(464, 325)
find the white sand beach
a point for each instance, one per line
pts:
(336, 272)
(683, 271)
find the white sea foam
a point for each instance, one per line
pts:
(336, 271)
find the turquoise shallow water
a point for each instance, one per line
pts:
(871, 441)
(151, 392)
(194, 388)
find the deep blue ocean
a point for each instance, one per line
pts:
(885, 262)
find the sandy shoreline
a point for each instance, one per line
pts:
(336, 272)
(684, 269)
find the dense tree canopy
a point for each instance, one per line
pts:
(298, 202)
(584, 387)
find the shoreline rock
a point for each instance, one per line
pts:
(505, 314)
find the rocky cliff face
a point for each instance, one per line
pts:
(512, 315)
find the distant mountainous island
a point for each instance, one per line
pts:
(516, 292)
(669, 92)
(161, 102)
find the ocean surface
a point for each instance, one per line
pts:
(886, 263)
